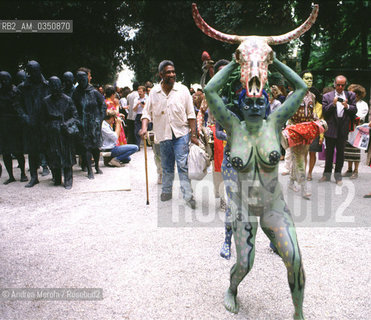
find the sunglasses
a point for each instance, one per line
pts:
(340, 85)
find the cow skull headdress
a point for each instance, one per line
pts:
(254, 53)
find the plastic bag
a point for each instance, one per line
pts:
(198, 161)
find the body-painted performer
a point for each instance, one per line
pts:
(32, 91)
(91, 108)
(11, 139)
(255, 153)
(305, 113)
(57, 113)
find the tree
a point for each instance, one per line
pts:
(167, 31)
(94, 42)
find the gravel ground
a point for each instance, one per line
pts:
(161, 261)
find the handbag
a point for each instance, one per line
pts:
(198, 162)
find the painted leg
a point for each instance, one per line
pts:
(68, 178)
(57, 175)
(229, 180)
(96, 155)
(279, 227)
(244, 231)
(33, 163)
(225, 252)
(21, 164)
(244, 237)
(9, 167)
(88, 165)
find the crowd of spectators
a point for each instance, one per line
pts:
(59, 120)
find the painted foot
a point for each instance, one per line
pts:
(10, 180)
(225, 252)
(230, 302)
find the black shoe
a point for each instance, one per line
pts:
(84, 169)
(32, 183)
(23, 178)
(166, 196)
(191, 203)
(90, 176)
(45, 172)
(98, 171)
(10, 180)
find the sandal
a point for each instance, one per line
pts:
(309, 177)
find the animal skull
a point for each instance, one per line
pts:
(254, 53)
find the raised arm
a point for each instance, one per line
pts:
(292, 103)
(215, 102)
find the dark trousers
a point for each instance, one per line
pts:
(331, 143)
(130, 130)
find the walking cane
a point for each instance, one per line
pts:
(145, 163)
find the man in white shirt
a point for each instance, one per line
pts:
(139, 104)
(119, 154)
(130, 120)
(170, 108)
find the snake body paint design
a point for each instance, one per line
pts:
(252, 184)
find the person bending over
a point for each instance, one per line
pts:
(119, 154)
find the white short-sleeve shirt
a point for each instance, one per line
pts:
(169, 113)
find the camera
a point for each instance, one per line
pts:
(142, 102)
(340, 99)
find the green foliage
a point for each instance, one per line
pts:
(167, 31)
(94, 42)
(340, 39)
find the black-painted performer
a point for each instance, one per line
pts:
(20, 76)
(60, 122)
(67, 81)
(91, 109)
(32, 91)
(11, 127)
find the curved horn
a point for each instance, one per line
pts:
(296, 33)
(212, 33)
